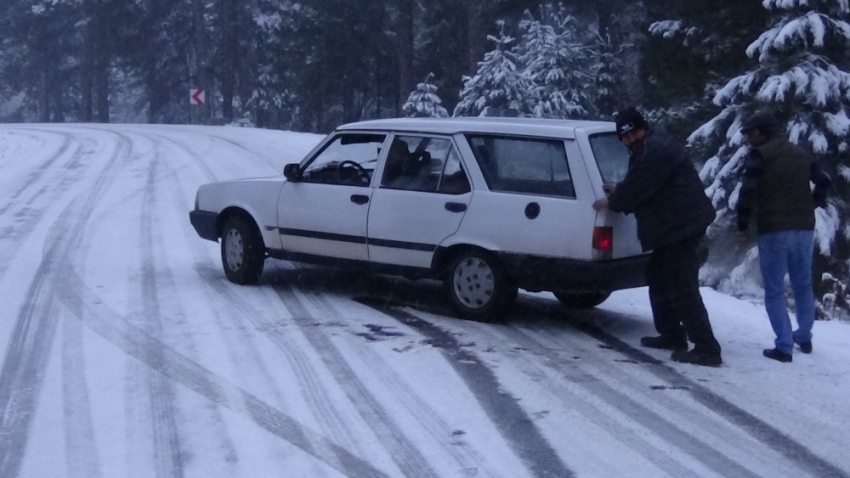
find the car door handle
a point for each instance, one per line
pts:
(455, 206)
(359, 199)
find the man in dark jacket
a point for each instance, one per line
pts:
(777, 180)
(664, 192)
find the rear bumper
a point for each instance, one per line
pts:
(205, 224)
(545, 273)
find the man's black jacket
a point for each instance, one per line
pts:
(664, 192)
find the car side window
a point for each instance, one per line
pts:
(416, 163)
(523, 165)
(348, 159)
(454, 180)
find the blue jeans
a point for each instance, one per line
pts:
(791, 252)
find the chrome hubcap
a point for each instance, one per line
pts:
(474, 283)
(233, 249)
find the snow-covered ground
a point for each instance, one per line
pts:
(128, 354)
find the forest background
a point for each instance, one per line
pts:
(694, 67)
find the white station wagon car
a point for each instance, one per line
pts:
(487, 205)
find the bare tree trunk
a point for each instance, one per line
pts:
(44, 99)
(230, 22)
(201, 58)
(86, 88)
(404, 34)
(101, 86)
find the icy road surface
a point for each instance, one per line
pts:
(128, 354)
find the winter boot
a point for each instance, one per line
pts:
(697, 357)
(777, 355)
(806, 347)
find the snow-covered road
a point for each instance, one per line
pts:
(128, 354)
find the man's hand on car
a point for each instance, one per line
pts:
(601, 203)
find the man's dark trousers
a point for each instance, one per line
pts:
(677, 307)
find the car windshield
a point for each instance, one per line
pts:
(611, 155)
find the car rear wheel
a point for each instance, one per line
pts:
(242, 251)
(582, 299)
(478, 287)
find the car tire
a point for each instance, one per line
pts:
(242, 250)
(582, 299)
(478, 287)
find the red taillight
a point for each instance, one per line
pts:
(603, 238)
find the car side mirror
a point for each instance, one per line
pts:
(292, 172)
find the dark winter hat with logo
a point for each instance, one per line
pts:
(763, 120)
(629, 119)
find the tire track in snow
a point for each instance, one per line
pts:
(35, 176)
(176, 192)
(659, 425)
(166, 436)
(757, 428)
(135, 342)
(401, 449)
(514, 424)
(465, 455)
(26, 217)
(81, 455)
(22, 375)
(85, 305)
(254, 154)
(553, 383)
(332, 419)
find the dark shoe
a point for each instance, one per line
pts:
(806, 347)
(697, 357)
(777, 355)
(663, 342)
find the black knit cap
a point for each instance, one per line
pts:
(629, 119)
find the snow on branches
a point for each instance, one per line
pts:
(498, 83)
(423, 102)
(799, 77)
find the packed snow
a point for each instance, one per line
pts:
(128, 353)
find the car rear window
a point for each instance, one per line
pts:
(612, 157)
(523, 165)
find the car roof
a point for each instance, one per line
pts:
(558, 128)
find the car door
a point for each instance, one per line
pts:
(422, 198)
(324, 211)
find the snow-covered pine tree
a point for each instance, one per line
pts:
(499, 83)
(424, 102)
(608, 81)
(799, 76)
(556, 63)
(267, 99)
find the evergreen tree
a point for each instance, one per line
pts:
(267, 100)
(692, 50)
(41, 36)
(556, 64)
(498, 82)
(423, 102)
(159, 50)
(799, 77)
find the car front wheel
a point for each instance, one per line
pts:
(478, 287)
(242, 251)
(582, 299)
